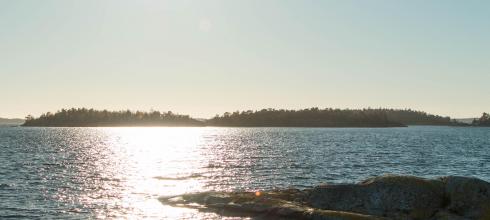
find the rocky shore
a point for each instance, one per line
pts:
(385, 197)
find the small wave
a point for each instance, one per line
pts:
(77, 211)
(192, 176)
(213, 166)
(110, 179)
(4, 185)
(230, 166)
(15, 216)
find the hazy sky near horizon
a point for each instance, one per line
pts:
(207, 57)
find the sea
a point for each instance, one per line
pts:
(120, 173)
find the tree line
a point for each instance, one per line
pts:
(310, 117)
(83, 117)
(412, 117)
(484, 120)
(329, 117)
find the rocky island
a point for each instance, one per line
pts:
(385, 197)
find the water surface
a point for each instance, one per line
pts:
(121, 172)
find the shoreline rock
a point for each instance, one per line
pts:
(385, 197)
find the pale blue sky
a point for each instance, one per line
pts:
(207, 57)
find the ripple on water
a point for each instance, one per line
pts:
(121, 172)
(186, 177)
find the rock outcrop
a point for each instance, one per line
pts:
(390, 196)
(469, 197)
(386, 197)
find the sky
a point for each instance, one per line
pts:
(207, 57)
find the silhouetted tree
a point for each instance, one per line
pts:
(484, 120)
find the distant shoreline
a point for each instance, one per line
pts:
(307, 118)
(215, 126)
(11, 122)
(210, 126)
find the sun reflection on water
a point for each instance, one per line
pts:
(148, 162)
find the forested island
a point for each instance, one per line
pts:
(483, 121)
(311, 117)
(315, 117)
(83, 117)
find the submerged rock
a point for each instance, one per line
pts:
(386, 197)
